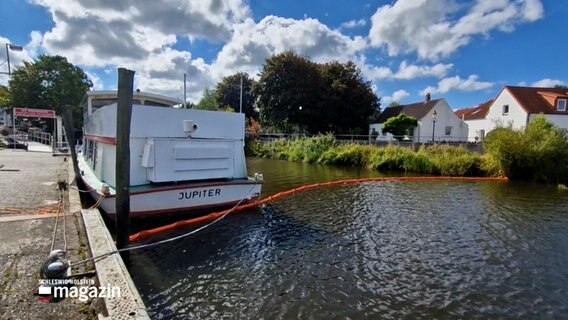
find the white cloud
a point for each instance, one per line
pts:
(353, 24)
(139, 35)
(547, 83)
(208, 19)
(437, 28)
(405, 70)
(34, 46)
(16, 59)
(96, 80)
(457, 83)
(409, 71)
(396, 96)
(532, 10)
(253, 42)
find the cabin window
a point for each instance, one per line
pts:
(448, 130)
(505, 109)
(99, 103)
(561, 105)
(155, 104)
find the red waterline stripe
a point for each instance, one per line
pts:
(101, 139)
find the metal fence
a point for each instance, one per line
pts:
(404, 141)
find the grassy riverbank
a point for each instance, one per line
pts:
(437, 159)
(539, 152)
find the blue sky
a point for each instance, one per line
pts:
(463, 51)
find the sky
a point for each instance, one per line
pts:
(463, 51)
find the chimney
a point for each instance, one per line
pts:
(427, 98)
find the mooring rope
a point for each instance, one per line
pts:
(99, 201)
(147, 245)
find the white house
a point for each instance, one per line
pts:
(517, 106)
(476, 120)
(436, 120)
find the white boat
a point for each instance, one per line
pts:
(181, 160)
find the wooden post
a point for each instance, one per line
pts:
(123, 117)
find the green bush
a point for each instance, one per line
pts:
(436, 159)
(355, 155)
(540, 152)
(273, 150)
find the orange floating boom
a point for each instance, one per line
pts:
(215, 215)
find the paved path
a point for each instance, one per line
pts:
(28, 190)
(29, 179)
(38, 147)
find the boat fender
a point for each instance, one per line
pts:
(105, 189)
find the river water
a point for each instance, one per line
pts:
(376, 250)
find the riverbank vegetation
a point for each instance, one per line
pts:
(539, 153)
(436, 159)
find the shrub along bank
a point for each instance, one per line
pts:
(437, 159)
(539, 153)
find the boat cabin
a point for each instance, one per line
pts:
(167, 144)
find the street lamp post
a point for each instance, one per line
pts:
(434, 117)
(12, 47)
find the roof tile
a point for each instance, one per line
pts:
(534, 100)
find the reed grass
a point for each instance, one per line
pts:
(437, 159)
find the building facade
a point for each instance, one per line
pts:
(436, 121)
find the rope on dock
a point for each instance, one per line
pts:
(215, 215)
(147, 245)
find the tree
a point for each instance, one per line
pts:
(228, 94)
(393, 104)
(295, 93)
(208, 101)
(349, 101)
(289, 91)
(399, 125)
(50, 82)
(190, 105)
(4, 97)
(560, 86)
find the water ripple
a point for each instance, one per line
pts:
(385, 250)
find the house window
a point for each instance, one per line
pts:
(448, 130)
(505, 109)
(561, 105)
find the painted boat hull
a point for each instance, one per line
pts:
(182, 198)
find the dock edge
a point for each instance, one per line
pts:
(111, 271)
